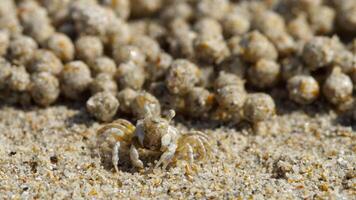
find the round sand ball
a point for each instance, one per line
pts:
(235, 24)
(337, 44)
(7, 7)
(139, 27)
(300, 29)
(178, 9)
(199, 101)
(75, 79)
(209, 27)
(151, 28)
(263, 74)
(180, 39)
(119, 33)
(43, 33)
(130, 75)
(156, 30)
(318, 52)
(35, 21)
(269, 22)
(19, 80)
(338, 87)
(44, 88)
(303, 89)
(9, 19)
(4, 41)
(212, 8)
(103, 82)
(21, 49)
(322, 19)
(90, 18)
(142, 8)
(157, 69)
(126, 97)
(346, 15)
(234, 44)
(62, 46)
(231, 97)
(11, 23)
(284, 43)
(226, 79)
(148, 46)
(121, 7)
(5, 72)
(88, 48)
(127, 53)
(259, 107)
(103, 106)
(256, 46)
(182, 76)
(57, 10)
(145, 102)
(211, 49)
(45, 61)
(346, 60)
(103, 65)
(306, 5)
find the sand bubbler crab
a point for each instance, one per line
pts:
(155, 134)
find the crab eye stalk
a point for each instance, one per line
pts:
(147, 109)
(170, 115)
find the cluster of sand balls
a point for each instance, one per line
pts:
(207, 59)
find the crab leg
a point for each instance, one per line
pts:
(190, 154)
(201, 148)
(167, 156)
(134, 157)
(120, 129)
(115, 156)
(202, 137)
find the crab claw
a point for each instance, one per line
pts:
(167, 156)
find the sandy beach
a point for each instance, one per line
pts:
(51, 154)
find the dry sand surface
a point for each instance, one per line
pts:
(51, 154)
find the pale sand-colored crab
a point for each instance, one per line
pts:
(155, 134)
